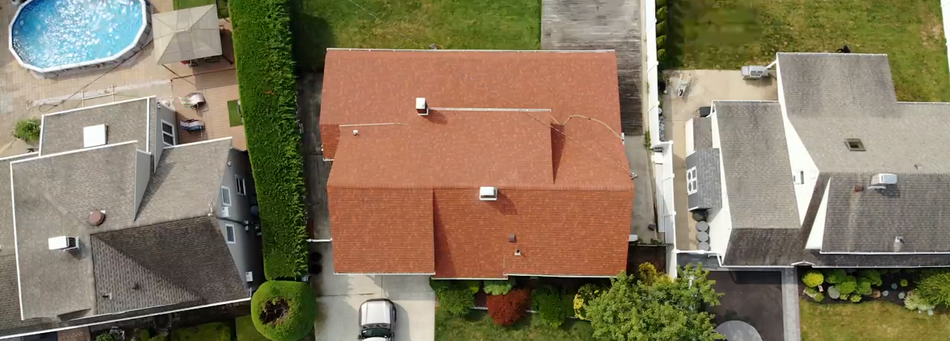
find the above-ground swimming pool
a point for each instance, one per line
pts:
(53, 36)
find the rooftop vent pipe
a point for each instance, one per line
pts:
(96, 218)
(422, 107)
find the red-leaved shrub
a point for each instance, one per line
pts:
(507, 309)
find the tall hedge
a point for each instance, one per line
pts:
(267, 83)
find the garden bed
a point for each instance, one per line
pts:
(894, 283)
(568, 286)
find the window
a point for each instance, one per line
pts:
(692, 183)
(168, 133)
(854, 145)
(229, 233)
(240, 186)
(225, 196)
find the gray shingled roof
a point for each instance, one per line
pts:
(709, 194)
(6, 210)
(819, 83)
(54, 195)
(126, 121)
(166, 263)
(702, 133)
(754, 156)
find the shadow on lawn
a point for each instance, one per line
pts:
(312, 36)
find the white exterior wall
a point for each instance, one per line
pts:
(653, 97)
(818, 228)
(720, 220)
(801, 162)
(690, 142)
(663, 176)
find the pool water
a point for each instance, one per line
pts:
(54, 33)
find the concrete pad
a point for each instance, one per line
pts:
(339, 298)
(638, 158)
(705, 86)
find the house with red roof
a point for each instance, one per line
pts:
(475, 164)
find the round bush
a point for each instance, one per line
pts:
(284, 310)
(27, 130)
(507, 309)
(855, 298)
(660, 54)
(456, 301)
(819, 297)
(660, 41)
(550, 306)
(661, 12)
(904, 283)
(813, 279)
(849, 285)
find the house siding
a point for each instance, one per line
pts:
(158, 114)
(246, 249)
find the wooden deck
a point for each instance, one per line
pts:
(218, 88)
(601, 24)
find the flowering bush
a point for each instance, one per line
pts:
(507, 309)
(584, 295)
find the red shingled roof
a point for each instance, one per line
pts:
(403, 190)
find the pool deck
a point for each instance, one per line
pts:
(24, 96)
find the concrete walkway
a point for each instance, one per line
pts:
(790, 310)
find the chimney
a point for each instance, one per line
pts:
(96, 218)
(422, 107)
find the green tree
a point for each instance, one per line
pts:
(934, 287)
(27, 130)
(634, 310)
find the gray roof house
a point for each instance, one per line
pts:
(836, 173)
(111, 219)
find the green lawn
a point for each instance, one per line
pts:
(413, 24)
(479, 327)
(726, 34)
(217, 331)
(246, 331)
(869, 321)
(222, 5)
(234, 114)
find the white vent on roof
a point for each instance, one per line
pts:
(422, 107)
(882, 180)
(94, 136)
(486, 193)
(63, 243)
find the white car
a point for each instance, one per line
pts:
(377, 320)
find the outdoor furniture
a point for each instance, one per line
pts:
(192, 100)
(192, 125)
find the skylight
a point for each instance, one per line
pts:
(854, 145)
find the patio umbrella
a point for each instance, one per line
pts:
(186, 34)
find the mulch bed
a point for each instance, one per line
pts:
(887, 280)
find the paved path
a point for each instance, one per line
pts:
(790, 305)
(601, 24)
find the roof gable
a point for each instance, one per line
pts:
(125, 121)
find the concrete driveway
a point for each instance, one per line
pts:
(339, 297)
(705, 86)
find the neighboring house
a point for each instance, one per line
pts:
(836, 173)
(476, 164)
(113, 219)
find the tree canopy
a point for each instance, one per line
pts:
(646, 308)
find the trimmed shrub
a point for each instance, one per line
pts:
(934, 287)
(661, 12)
(284, 310)
(914, 302)
(584, 295)
(873, 276)
(811, 292)
(27, 130)
(660, 26)
(819, 297)
(848, 286)
(813, 278)
(855, 298)
(836, 276)
(456, 301)
(660, 55)
(660, 41)
(105, 337)
(268, 91)
(507, 309)
(550, 305)
(474, 286)
(497, 287)
(863, 287)
(438, 285)
(904, 283)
